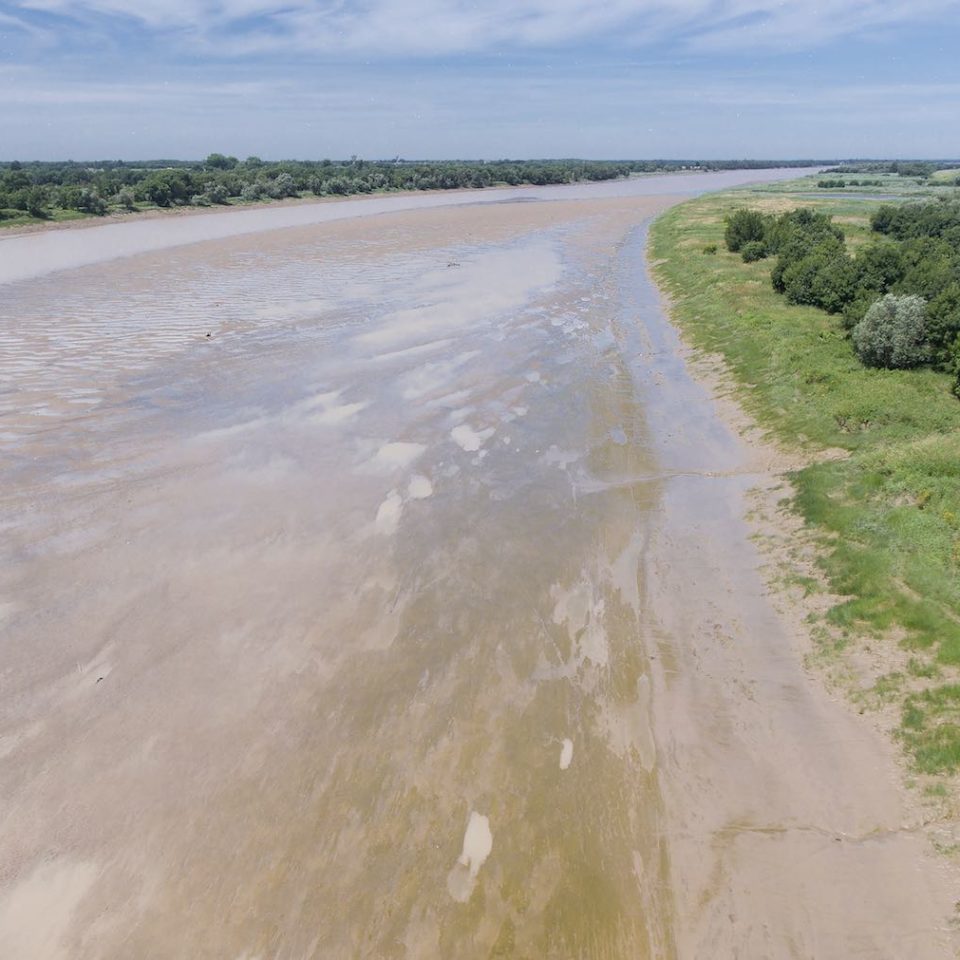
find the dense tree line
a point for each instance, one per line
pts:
(832, 184)
(903, 168)
(39, 189)
(899, 295)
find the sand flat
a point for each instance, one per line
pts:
(381, 587)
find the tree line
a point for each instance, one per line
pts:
(41, 189)
(903, 168)
(898, 296)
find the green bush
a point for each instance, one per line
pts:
(943, 324)
(125, 198)
(824, 277)
(753, 251)
(893, 333)
(857, 308)
(879, 266)
(744, 226)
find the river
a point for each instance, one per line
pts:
(376, 583)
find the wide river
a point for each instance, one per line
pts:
(375, 583)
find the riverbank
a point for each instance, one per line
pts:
(877, 489)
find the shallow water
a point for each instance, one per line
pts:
(395, 617)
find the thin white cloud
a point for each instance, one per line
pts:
(438, 27)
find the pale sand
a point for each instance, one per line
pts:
(287, 668)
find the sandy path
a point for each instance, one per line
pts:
(412, 613)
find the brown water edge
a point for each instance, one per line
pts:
(411, 615)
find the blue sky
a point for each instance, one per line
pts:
(90, 79)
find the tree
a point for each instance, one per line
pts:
(893, 333)
(284, 186)
(217, 192)
(825, 277)
(166, 187)
(879, 266)
(125, 198)
(943, 324)
(32, 200)
(217, 161)
(744, 226)
(752, 251)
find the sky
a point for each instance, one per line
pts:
(432, 79)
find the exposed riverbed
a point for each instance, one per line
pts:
(379, 586)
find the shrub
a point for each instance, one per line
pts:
(879, 266)
(217, 193)
(165, 187)
(753, 251)
(857, 308)
(943, 324)
(125, 198)
(825, 277)
(710, 248)
(744, 226)
(953, 366)
(893, 333)
(83, 199)
(283, 186)
(796, 232)
(32, 200)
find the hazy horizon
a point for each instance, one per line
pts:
(267, 158)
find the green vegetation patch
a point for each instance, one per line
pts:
(888, 511)
(931, 728)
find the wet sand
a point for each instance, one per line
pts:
(382, 588)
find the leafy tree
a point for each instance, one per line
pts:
(854, 311)
(931, 264)
(825, 277)
(217, 161)
(893, 333)
(32, 200)
(943, 324)
(744, 226)
(166, 187)
(83, 199)
(217, 193)
(879, 266)
(283, 186)
(753, 250)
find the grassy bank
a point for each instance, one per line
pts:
(887, 515)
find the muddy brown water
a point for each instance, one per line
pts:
(379, 587)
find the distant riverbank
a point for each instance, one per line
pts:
(38, 252)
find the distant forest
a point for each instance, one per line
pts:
(904, 168)
(41, 190)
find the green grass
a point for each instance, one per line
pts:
(19, 218)
(888, 513)
(948, 175)
(890, 185)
